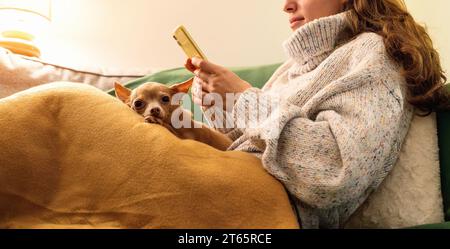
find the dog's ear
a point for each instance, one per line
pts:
(122, 92)
(183, 87)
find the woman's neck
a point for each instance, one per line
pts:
(312, 43)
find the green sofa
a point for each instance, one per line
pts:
(259, 75)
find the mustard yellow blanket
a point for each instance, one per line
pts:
(72, 156)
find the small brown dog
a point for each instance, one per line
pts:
(154, 102)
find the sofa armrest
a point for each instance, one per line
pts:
(445, 225)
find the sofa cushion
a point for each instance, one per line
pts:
(411, 194)
(405, 199)
(18, 73)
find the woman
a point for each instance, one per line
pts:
(357, 71)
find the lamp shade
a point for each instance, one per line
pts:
(40, 7)
(21, 21)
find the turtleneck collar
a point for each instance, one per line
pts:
(312, 43)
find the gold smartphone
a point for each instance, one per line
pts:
(189, 46)
(191, 49)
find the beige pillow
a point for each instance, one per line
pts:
(18, 73)
(411, 194)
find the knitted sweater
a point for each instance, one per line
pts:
(339, 126)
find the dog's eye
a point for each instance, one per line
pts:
(165, 99)
(139, 104)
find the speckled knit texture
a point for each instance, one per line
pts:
(343, 121)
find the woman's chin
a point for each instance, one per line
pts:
(296, 25)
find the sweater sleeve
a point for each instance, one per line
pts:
(339, 150)
(235, 130)
(232, 131)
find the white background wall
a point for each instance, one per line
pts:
(136, 34)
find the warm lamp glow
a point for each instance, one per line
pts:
(21, 21)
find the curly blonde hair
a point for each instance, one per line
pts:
(407, 43)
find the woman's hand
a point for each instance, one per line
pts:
(211, 78)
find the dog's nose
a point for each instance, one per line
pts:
(155, 111)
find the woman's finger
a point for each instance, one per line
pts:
(206, 87)
(189, 66)
(201, 85)
(203, 99)
(198, 89)
(198, 99)
(206, 66)
(202, 75)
